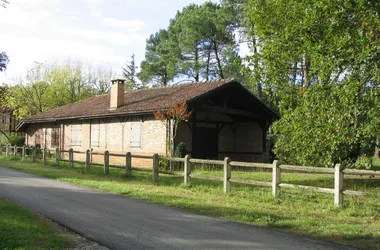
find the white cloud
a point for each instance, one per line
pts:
(95, 13)
(22, 56)
(95, 2)
(15, 15)
(73, 18)
(32, 2)
(117, 38)
(129, 25)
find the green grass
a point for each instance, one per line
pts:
(23, 229)
(302, 212)
(376, 163)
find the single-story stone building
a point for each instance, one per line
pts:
(226, 120)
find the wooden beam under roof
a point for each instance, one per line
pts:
(225, 110)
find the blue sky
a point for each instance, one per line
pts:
(96, 32)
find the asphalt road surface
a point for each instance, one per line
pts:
(120, 222)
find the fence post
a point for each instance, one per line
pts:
(338, 185)
(14, 151)
(187, 170)
(87, 160)
(7, 150)
(33, 154)
(155, 168)
(23, 153)
(1, 149)
(106, 162)
(128, 164)
(276, 178)
(227, 174)
(71, 157)
(56, 157)
(44, 156)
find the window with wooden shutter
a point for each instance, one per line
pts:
(55, 137)
(76, 135)
(136, 135)
(95, 135)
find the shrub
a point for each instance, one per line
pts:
(181, 150)
(16, 140)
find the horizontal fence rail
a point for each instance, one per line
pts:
(250, 164)
(308, 169)
(69, 156)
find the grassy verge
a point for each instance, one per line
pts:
(376, 163)
(301, 212)
(23, 229)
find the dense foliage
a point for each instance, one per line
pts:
(198, 45)
(317, 62)
(130, 73)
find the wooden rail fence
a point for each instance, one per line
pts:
(338, 172)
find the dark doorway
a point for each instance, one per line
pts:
(206, 143)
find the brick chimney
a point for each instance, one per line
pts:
(117, 93)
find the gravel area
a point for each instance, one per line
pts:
(80, 243)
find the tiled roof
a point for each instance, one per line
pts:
(135, 102)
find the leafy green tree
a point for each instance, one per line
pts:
(203, 33)
(130, 73)
(318, 62)
(159, 66)
(47, 86)
(331, 124)
(199, 44)
(98, 77)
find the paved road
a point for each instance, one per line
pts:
(119, 222)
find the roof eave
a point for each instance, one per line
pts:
(25, 122)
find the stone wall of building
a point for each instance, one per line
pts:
(114, 136)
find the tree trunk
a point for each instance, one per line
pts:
(196, 68)
(306, 71)
(208, 63)
(171, 142)
(221, 75)
(256, 68)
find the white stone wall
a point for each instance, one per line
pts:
(114, 136)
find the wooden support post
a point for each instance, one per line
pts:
(227, 174)
(44, 156)
(155, 168)
(187, 170)
(7, 150)
(128, 164)
(57, 157)
(276, 178)
(33, 154)
(23, 153)
(71, 158)
(14, 151)
(106, 162)
(87, 160)
(338, 185)
(171, 143)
